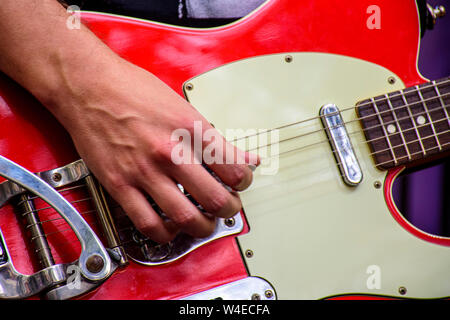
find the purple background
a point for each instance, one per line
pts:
(423, 196)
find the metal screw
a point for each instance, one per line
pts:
(256, 296)
(189, 86)
(249, 253)
(402, 290)
(377, 184)
(229, 222)
(268, 294)
(95, 263)
(391, 80)
(57, 177)
(288, 58)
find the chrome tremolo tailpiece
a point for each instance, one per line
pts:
(340, 144)
(94, 264)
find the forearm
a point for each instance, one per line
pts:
(41, 53)
(121, 119)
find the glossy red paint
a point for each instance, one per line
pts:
(388, 185)
(30, 136)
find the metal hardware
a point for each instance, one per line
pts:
(288, 58)
(248, 253)
(402, 290)
(106, 221)
(341, 145)
(433, 15)
(189, 86)
(147, 252)
(251, 288)
(27, 211)
(391, 80)
(95, 263)
(229, 222)
(59, 177)
(16, 285)
(377, 184)
(268, 294)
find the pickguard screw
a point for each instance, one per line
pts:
(249, 253)
(57, 177)
(402, 290)
(377, 184)
(268, 294)
(189, 86)
(256, 296)
(288, 58)
(391, 80)
(229, 222)
(95, 263)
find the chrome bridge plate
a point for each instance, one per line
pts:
(147, 252)
(341, 145)
(250, 288)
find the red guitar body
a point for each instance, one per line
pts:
(30, 136)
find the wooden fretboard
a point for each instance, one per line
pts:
(407, 125)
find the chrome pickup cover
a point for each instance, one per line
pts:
(341, 146)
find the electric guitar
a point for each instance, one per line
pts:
(338, 109)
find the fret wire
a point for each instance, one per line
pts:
(384, 129)
(397, 146)
(350, 133)
(424, 104)
(355, 120)
(406, 130)
(386, 162)
(405, 101)
(439, 95)
(399, 126)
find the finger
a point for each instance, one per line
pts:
(179, 209)
(146, 220)
(231, 164)
(207, 191)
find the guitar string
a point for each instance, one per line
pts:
(422, 101)
(415, 153)
(50, 207)
(350, 108)
(60, 244)
(386, 98)
(413, 141)
(285, 152)
(59, 190)
(367, 141)
(364, 129)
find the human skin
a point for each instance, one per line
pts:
(120, 118)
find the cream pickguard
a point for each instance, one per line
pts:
(311, 235)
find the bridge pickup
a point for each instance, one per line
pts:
(341, 145)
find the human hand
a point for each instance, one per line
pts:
(122, 128)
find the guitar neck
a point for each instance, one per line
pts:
(409, 125)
